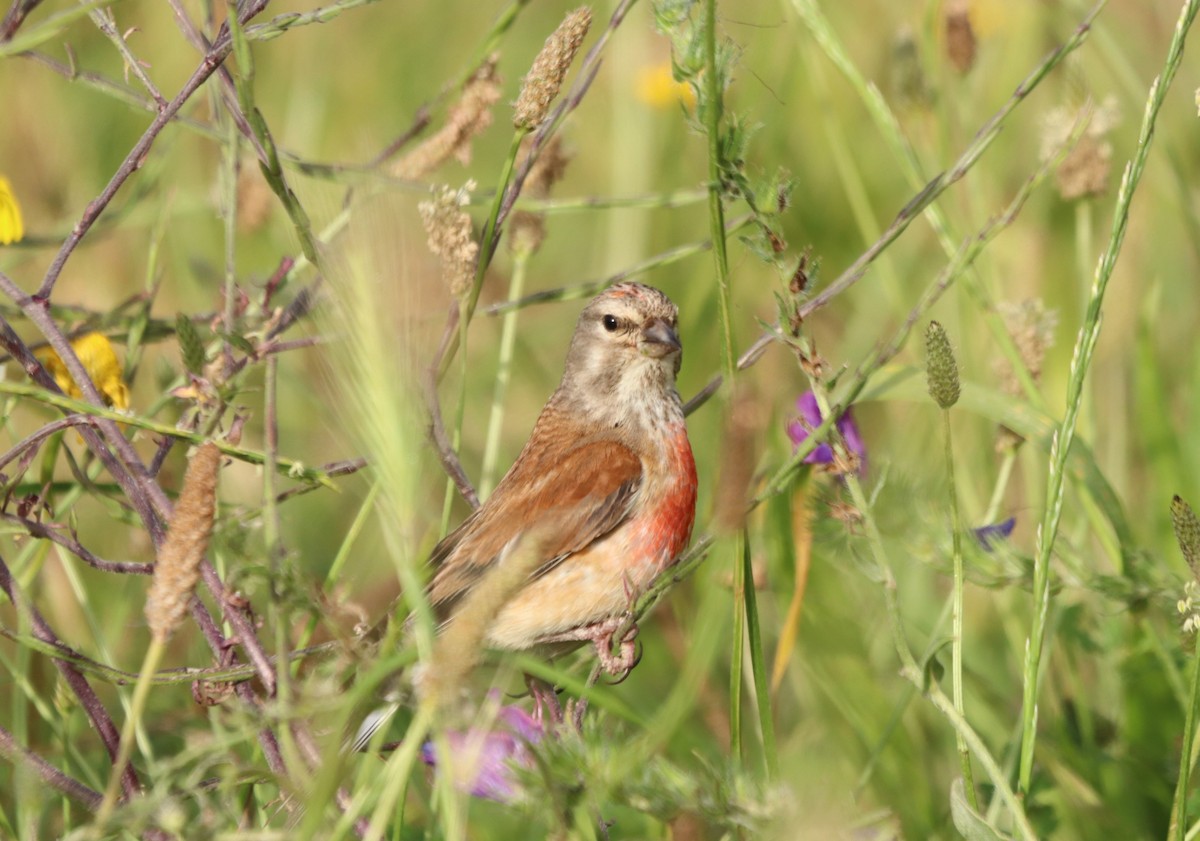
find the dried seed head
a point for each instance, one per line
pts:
(527, 230)
(526, 233)
(1086, 169)
(1031, 326)
(960, 36)
(549, 69)
(1187, 533)
(940, 366)
(465, 120)
(180, 555)
(449, 229)
(547, 170)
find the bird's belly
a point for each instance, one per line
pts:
(588, 587)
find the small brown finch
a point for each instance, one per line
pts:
(606, 484)
(603, 495)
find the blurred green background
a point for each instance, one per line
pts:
(860, 757)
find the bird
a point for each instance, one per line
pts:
(603, 495)
(607, 483)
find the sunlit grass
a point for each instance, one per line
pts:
(831, 669)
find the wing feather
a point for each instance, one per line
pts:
(571, 502)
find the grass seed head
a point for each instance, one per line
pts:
(449, 229)
(940, 366)
(549, 69)
(179, 557)
(469, 117)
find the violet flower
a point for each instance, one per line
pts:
(485, 758)
(990, 536)
(810, 418)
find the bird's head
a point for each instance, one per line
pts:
(625, 348)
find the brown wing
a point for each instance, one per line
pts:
(570, 501)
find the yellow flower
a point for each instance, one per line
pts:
(657, 87)
(12, 228)
(96, 353)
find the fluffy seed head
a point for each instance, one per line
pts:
(449, 229)
(549, 69)
(179, 557)
(1032, 327)
(940, 366)
(467, 119)
(526, 230)
(1086, 169)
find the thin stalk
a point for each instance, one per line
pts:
(508, 340)
(957, 618)
(1187, 755)
(141, 692)
(1085, 346)
(737, 646)
(758, 666)
(716, 209)
(1002, 479)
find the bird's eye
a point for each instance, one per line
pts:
(610, 323)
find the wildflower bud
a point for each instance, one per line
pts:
(179, 557)
(940, 367)
(191, 346)
(549, 69)
(1187, 533)
(960, 37)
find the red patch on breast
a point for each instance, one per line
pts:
(677, 511)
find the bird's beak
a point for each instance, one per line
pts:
(659, 339)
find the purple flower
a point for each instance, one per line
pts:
(989, 536)
(810, 418)
(484, 758)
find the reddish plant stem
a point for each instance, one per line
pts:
(91, 704)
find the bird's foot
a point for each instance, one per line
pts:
(546, 708)
(628, 655)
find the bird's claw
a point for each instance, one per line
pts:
(629, 654)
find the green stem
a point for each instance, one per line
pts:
(737, 646)
(957, 620)
(1085, 346)
(758, 665)
(716, 209)
(141, 693)
(1187, 756)
(508, 340)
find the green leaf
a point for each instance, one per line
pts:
(241, 343)
(969, 823)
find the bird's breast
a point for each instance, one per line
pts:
(663, 527)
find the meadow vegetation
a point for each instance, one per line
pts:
(282, 292)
